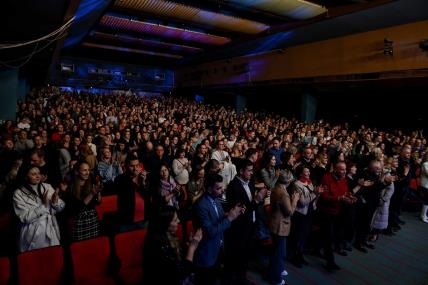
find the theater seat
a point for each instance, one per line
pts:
(41, 266)
(5, 221)
(7, 234)
(90, 262)
(108, 204)
(4, 270)
(183, 231)
(129, 250)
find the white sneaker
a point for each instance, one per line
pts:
(423, 216)
(281, 283)
(284, 273)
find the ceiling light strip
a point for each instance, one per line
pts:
(132, 50)
(182, 12)
(162, 31)
(146, 42)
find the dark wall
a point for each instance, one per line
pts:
(386, 106)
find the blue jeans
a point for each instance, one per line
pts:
(277, 263)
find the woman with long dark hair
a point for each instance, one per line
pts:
(162, 250)
(84, 194)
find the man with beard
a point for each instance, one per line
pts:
(210, 217)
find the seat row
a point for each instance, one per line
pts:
(91, 261)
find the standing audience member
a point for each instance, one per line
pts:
(370, 192)
(8, 156)
(336, 192)
(35, 204)
(424, 188)
(228, 169)
(405, 170)
(268, 173)
(196, 184)
(23, 144)
(279, 224)
(131, 195)
(301, 221)
(239, 238)
(380, 216)
(168, 192)
(276, 150)
(108, 169)
(64, 158)
(210, 217)
(162, 250)
(84, 195)
(181, 167)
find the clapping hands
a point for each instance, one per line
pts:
(55, 197)
(236, 211)
(52, 200)
(347, 198)
(195, 238)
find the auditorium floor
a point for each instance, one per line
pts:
(397, 260)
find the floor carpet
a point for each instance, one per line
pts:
(401, 259)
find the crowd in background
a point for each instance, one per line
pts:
(243, 178)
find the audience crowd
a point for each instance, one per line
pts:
(246, 180)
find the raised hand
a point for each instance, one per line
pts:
(319, 189)
(63, 187)
(235, 212)
(197, 237)
(296, 196)
(45, 199)
(96, 189)
(261, 194)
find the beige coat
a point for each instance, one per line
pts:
(282, 209)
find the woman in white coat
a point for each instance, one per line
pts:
(35, 204)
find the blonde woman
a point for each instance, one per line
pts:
(35, 204)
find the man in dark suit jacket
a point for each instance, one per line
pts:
(241, 191)
(210, 217)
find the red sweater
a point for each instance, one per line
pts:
(329, 200)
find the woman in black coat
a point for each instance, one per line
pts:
(162, 250)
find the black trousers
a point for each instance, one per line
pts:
(329, 227)
(207, 275)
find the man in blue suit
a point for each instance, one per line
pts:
(210, 217)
